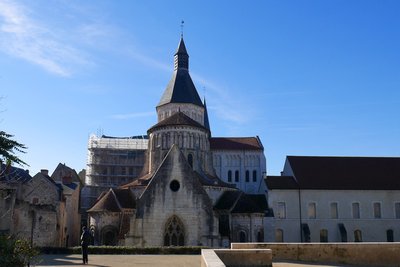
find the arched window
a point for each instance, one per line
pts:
(278, 235)
(357, 236)
(242, 236)
(323, 235)
(190, 160)
(229, 176)
(247, 176)
(174, 233)
(254, 176)
(236, 176)
(389, 235)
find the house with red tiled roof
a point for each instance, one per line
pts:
(335, 199)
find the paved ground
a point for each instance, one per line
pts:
(141, 261)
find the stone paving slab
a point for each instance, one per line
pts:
(143, 261)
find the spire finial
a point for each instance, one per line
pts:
(182, 22)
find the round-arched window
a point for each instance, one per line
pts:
(174, 185)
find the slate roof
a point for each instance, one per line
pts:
(180, 88)
(239, 202)
(251, 204)
(178, 118)
(114, 200)
(281, 182)
(14, 174)
(227, 200)
(346, 173)
(206, 121)
(125, 198)
(236, 143)
(181, 48)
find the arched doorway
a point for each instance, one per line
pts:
(242, 236)
(174, 233)
(109, 236)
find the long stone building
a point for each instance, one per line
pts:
(335, 199)
(193, 189)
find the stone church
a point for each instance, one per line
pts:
(194, 189)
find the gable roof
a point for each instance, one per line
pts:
(346, 173)
(114, 200)
(204, 179)
(63, 171)
(281, 182)
(178, 118)
(236, 143)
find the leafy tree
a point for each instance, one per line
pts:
(8, 147)
(15, 252)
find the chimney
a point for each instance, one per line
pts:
(44, 172)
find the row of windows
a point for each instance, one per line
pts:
(323, 236)
(237, 178)
(123, 170)
(334, 214)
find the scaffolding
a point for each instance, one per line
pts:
(112, 161)
(139, 142)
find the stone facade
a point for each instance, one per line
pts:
(178, 198)
(39, 209)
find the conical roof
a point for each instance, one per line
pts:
(206, 121)
(181, 48)
(180, 88)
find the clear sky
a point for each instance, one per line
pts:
(308, 77)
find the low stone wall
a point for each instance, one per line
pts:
(236, 258)
(365, 254)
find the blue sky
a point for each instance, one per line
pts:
(308, 77)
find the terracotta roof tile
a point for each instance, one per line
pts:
(235, 143)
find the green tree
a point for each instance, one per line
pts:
(8, 148)
(15, 252)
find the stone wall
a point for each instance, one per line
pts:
(236, 257)
(365, 254)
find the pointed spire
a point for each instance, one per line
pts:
(206, 121)
(181, 58)
(180, 88)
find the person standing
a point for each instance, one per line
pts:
(85, 241)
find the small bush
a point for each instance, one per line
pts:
(15, 252)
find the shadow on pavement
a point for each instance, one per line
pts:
(61, 260)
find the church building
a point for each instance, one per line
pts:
(194, 189)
